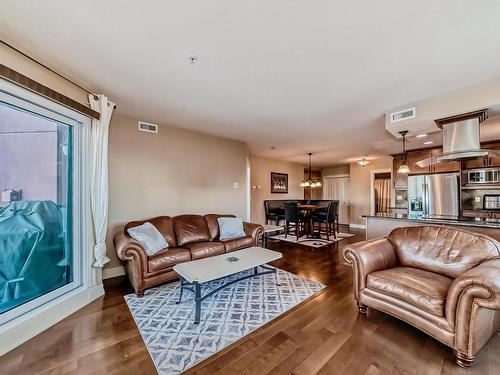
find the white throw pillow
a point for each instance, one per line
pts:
(149, 237)
(230, 227)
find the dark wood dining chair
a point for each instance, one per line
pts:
(294, 220)
(274, 211)
(329, 218)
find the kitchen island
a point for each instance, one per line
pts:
(381, 224)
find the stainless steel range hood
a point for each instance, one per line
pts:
(460, 141)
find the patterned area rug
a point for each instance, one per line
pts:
(312, 242)
(175, 343)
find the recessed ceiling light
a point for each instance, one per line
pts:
(428, 143)
(421, 135)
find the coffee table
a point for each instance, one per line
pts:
(197, 272)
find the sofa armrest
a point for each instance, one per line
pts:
(254, 231)
(480, 285)
(131, 251)
(127, 248)
(367, 257)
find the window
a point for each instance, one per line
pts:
(43, 221)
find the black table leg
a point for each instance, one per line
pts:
(197, 298)
(182, 288)
(276, 276)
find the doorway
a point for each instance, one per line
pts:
(338, 188)
(381, 181)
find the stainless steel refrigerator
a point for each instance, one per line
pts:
(434, 196)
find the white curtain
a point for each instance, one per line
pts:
(99, 175)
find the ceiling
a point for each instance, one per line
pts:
(298, 76)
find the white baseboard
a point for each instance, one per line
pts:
(31, 324)
(108, 273)
(358, 226)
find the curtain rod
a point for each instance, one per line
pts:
(50, 69)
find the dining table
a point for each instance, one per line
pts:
(309, 210)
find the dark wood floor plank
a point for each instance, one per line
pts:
(313, 363)
(255, 354)
(323, 335)
(294, 359)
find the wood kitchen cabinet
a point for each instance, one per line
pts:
(416, 156)
(449, 166)
(492, 160)
(474, 163)
(400, 179)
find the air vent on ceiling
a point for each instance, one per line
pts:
(147, 127)
(405, 114)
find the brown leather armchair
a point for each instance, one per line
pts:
(189, 237)
(443, 281)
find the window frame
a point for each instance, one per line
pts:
(82, 243)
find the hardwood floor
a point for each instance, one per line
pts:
(323, 335)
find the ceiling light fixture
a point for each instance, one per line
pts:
(310, 182)
(404, 167)
(421, 135)
(363, 162)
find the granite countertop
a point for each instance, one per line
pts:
(465, 221)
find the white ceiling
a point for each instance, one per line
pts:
(298, 75)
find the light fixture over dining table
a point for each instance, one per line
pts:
(310, 182)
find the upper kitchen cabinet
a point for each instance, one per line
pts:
(449, 166)
(492, 160)
(416, 156)
(474, 163)
(400, 179)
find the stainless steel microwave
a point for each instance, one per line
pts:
(483, 176)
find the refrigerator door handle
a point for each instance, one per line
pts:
(424, 199)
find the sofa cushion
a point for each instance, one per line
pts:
(230, 228)
(443, 250)
(237, 243)
(205, 249)
(190, 228)
(424, 289)
(149, 237)
(164, 226)
(168, 258)
(213, 224)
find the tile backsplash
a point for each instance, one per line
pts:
(473, 199)
(401, 198)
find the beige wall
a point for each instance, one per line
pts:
(173, 172)
(261, 169)
(337, 170)
(176, 171)
(360, 187)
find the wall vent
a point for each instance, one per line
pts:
(405, 114)
(147, 127)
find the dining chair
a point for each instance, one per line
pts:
(329, 218)
(294, 220)
(274, 211)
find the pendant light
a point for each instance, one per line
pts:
(310, 182)
(404, 167)
(363, 162)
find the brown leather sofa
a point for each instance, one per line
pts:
(444, 281)
(189, 237)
